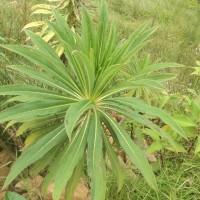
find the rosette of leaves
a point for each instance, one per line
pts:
(68, 9)
(69, 112)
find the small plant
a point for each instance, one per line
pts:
(68, 115)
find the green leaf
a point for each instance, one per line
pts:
(65, 29)
(153, 134)
(47, 62)
(42, 45)
(102, 31)
(69, 160)
(195, 108)
(86, 71)
(105, 78)
(123, 46)
(179, 148)
(117, 88)
(95, 164)
(157, 66)
(184, 121)
(133, 151)
(43, 78)
(110, 46)
(154, 131)
(35, 124)
(74, 113)
(140, 106)
(43, 162)
(30, 110)
(35, 151)
(149, 83)
(163, 77)
(13, 196)
(32, 91)
(74, 180)
(155, 146)
(197, 148)
(87, 33)
(116, 168)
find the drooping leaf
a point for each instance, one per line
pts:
(142, 107)
(70, 159)
(74, 180)
(116, 168)
(30, 110)
(35, 152)
(95, 164)
(133, 151)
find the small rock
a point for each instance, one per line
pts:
(30, 184)
(151, 158)
(81, 192)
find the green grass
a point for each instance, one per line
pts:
(14, 16)
(177, 180)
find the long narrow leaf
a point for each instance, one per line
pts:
(37, 150)
(140, 106)
(27, 111)
(134, 152)
(69, 161)
(32, 91)
(95, 165)
(116, 168)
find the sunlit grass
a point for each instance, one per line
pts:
(177, 180)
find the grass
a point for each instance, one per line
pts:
(177, 180)
(15, 14)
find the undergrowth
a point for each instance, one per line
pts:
(178, 179)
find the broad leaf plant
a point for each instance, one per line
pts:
(68, 113)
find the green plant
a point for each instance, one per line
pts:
(69, 113)
(187, 114)
(13, 196)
